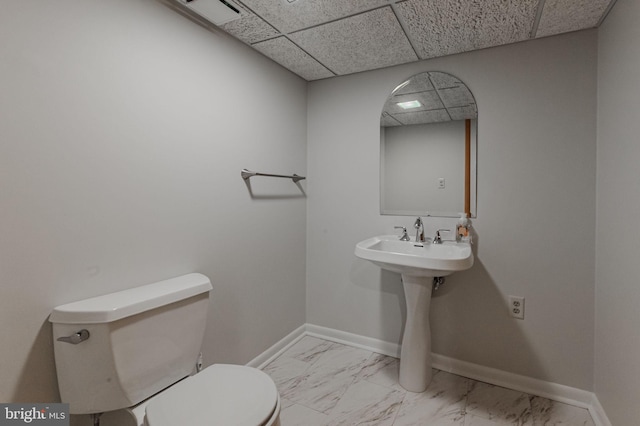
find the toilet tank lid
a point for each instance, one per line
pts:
(121, 304)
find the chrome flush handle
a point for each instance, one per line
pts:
(75, 338)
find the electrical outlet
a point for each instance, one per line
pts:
(440, 183)
(516, 307)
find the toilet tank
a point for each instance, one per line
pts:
(140, 341)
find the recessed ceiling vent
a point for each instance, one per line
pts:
(217, 11)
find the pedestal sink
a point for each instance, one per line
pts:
(418, 263)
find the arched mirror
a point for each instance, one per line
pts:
(428, 142)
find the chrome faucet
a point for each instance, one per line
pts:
(438, 238)
(419, 225)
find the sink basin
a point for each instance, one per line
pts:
(418, 263)
(416, 259)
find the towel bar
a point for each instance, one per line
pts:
(246, 174)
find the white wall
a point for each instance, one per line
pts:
(123, 130)
(617, 371)
(536, 210)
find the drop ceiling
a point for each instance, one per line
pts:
(319, 39)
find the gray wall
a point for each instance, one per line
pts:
(617, 372)
(123, 130)
(536, 210)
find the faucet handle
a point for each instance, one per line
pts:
(438, 239)
(404, 236)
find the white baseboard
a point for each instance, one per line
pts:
(554, 391)
(550, 390)
(274, 351)
(355, 340)
(598, 414)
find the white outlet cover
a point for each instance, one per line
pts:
(516, 307)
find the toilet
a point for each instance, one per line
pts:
(134, 358)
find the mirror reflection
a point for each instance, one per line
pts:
(428, 138)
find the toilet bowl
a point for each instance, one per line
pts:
(221, 394)
(129, 356)
(218, 395)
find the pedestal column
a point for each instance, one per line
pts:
(415, 356)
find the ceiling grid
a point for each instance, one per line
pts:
(319, 39)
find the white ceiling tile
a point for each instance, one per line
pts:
(445, 98)
(337, 37)
(290, 56)
(417, 83)
(461, 113)
(362, 42)
(560, 16)
(443, 27)
(250, 29)
(423, 117)
(288, 17)
(456, 96)
(388, 121)
(443, 80)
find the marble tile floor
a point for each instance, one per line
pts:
(326, 383)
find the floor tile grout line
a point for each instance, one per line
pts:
(353, 379)
(395, 417)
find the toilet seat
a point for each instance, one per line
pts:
(221, 394)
